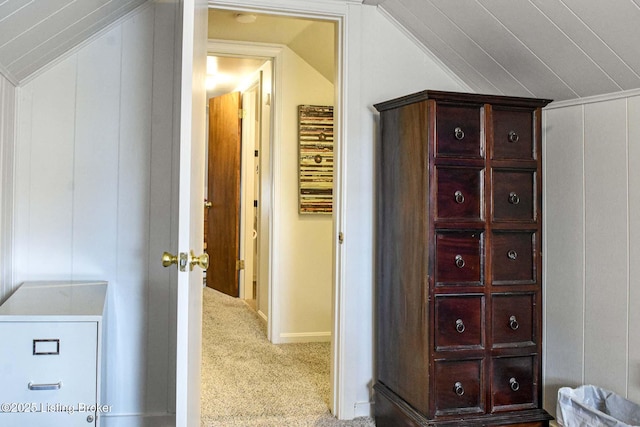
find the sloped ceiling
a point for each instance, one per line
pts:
(35, 32)
(558, 49)
(313, 40)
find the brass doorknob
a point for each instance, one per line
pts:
(208, 204)
(169, 259)
(201, 261)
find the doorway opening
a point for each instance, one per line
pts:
(236, 112)
(292, 273)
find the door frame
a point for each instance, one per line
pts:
(270, 175)
(247, 190)
(268, 155)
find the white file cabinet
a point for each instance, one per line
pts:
(51, 355)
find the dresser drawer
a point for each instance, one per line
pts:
(459, 191)
(458, 131)
(459, 387)
(513, 134)
(514, 197)
(459, 258)
(459, 322)
(512, 257)
(513, 383)
(513, 320)
(48, 363)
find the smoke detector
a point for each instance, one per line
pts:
(246, 18)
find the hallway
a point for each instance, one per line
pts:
(247, 381)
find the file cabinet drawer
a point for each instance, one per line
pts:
(52, 362)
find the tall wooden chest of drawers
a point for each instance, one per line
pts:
(458, 292)
(51, 355)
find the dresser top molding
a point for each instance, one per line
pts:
(469, 98)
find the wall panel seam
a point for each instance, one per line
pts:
(628, 248)
(584, 246)
(119, 146)
(73, 166)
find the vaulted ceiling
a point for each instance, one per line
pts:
(559, 49)
(35, 32)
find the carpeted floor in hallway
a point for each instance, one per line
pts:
(247, 381)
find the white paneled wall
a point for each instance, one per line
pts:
(7, 132)
(592, 245)
(94, 190)
(383, 63)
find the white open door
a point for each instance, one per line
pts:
(191, 211)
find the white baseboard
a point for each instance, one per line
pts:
(300, 337)
(138, 420)
(363, 409)
(263, 316)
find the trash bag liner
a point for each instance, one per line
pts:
(591, 406)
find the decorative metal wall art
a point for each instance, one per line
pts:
(315, 135)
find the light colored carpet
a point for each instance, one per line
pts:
(249, 382)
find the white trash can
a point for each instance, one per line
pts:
(591, 406)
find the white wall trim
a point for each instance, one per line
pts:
(138, 420)
(338, 342)
(336, 11)
(8, 75)
(303, 8)
(296, 337)
(8, 135)
(270, 191)
(594, 99)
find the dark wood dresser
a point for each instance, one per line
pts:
(459, 261)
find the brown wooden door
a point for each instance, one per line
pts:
(223, 217)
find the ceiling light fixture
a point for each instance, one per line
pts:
(246, 18)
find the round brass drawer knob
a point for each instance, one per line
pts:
(458, 133)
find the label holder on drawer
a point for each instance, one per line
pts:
(46, 347)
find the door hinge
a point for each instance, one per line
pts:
(239, 264)
(242, 113)
(341, 237)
